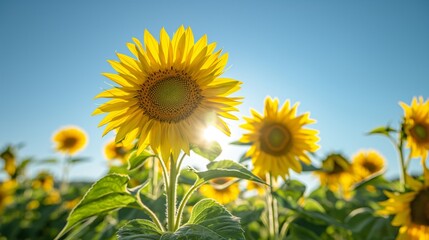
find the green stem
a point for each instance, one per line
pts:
(399, 148)
(66, 167)
(171, 196)
(154, 177)
(272, 210)
(149, 212)
(184, 202)
(165, 174)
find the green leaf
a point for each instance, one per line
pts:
(107, 194)
(298, 233)
(79, 160)
(139, 229)
(47, 161)
(384, 130)
(227, 168)
(209, 220)
(309, 167)
(366, 225)
(210, 150)
(375, 179)
(136, 161)
(241, 143)
(244, 158)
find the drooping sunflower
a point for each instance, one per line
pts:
(411, 209)
(367, 163)
(70, 140)
(168, 93)
(336, 174)
(416, 126)
(221, 189)
(116, 151)
(279, 139)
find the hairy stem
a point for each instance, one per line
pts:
(149, 212)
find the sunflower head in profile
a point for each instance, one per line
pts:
(70, 140)
(411, 209)
(279, 139)
(336, 174)
(367, 163)
(223, 190)
(416, 126)
(168, 92)
(116, 151)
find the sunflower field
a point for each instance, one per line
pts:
(163, 94)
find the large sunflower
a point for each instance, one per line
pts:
(367, 163)
(70, 140)
(279, 139)
(168, 93)
(416, 126)
(411, 209)
(336, 174)
(222, 190)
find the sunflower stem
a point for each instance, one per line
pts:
(272, 210)
(171, 202)
(149, 212)
(400, 148)
(154, 177)
(185, 199)
(66, 167)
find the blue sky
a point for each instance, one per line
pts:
(348, 63)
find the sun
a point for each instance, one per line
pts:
(211, 133)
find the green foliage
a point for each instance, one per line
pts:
(208, 220)
(208, 150)
(383, 130)
(105, 195)
(135, 161)
(226, 168)
(139, 229)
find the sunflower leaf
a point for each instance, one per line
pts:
(139, 229)
(107, 194)
(226, 168)
(384, 130)
(136, 161)
(208, 220)
(210, 150)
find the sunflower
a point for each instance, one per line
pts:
(336, 174)
(168, 93)
(257, 186)
(221, 189)
(70, 140)
(9, 161)
(416, 126)
(43, 181)
(279, 139)
(367, 163)
(116, 151)
(411, 209)
(7, 190)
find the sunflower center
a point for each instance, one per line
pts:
(420, 208)
(371, 167)
(120, 151)
(169, 95)
(420, 132)
(275, 139)
(69, 142)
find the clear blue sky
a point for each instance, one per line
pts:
(348, 62)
